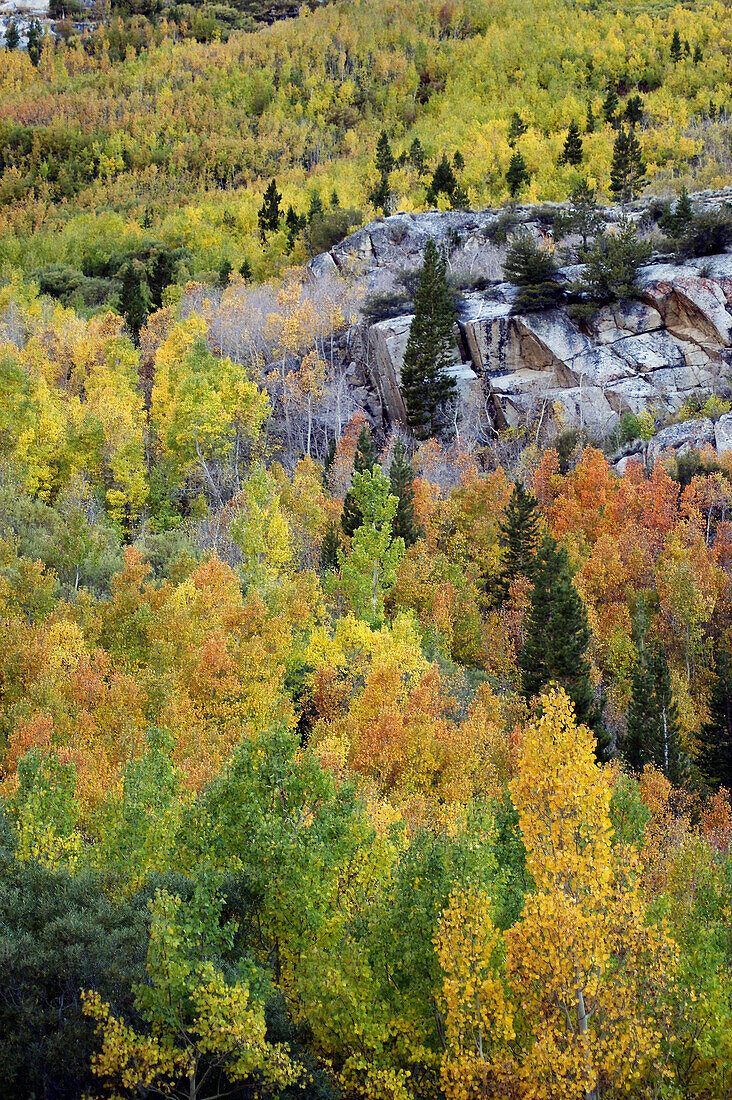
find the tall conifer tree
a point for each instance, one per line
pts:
(653, 726)
(572, 152)
(426, 385)
(364, 459)
(628, 167)
(401, 476)
(520, 536)
(715, 740)
(557, 636)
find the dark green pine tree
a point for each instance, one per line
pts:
(676, 50)
(698, 55)
(520, 537)
(426, 385)
(590, 119)
(557, 636)
(628, 167)
(634, 111)
(35, 41)
(364, 459)
(12, 36)
(653, 725)
(416, 157)
(585, 218)
(715, 740)
(610, 105)
(292, 225)
(246, 270)
(668, 755)
(401, 477)
(329, 548)
(225, 270)
(135, 297)
(517, 175)
(444, 181)
(384, 158)
(642, 726)
(533, 272)
(572, 153)
(682, 216)
(269, 212)
(458, 161)
(516, 128)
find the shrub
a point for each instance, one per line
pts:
(534, 273)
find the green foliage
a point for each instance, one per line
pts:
(517, 174)
(714, 759)
(364, 459)
(368, 571)
(59, 933)
(628, 167)
(516, 128)
(534, 273)
(401, 480)
(557, 634)
(426, 386)
(269, 215)
(653, 733)
(520, 537)
(612, 265)
(572, 153)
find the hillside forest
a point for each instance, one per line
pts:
(340, 762)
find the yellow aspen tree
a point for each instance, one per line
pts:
(587, 970)
(478, 1016)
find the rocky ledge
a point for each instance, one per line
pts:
(673, 342)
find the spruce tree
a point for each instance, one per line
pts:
(416, 157)
(426, 385)
(572, 152)
(628, 167)
(12, 36)
(269, 212)
(533, 272)
(516, 128)
(668, 754)
(458, 161)
(35, 42)
(557, 635)
(698, 55)
(384, 159)
(520, 537)
(329, 548)
(634, 111)
(246, 270)
(589, 119)
(677, 222)
(292, 225)
(715, 740)
(225, 270)
(401, 477)
(676, 46)
(610, 105)
(364, 459)
(135, 297)
(444, 181)
(653, 727)
(584, 215)
(517, 175)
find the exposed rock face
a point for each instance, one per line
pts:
(674, 341)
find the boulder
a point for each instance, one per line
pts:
(687, 435)
(723, 434)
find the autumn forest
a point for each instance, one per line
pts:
(347, 757)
